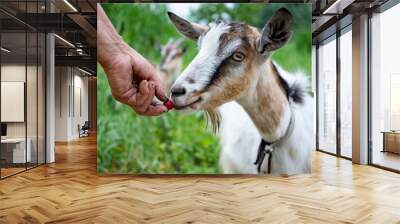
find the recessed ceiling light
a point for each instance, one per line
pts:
(71, 6)
(84, 71)
(337, 7)
(5, 50)
(64, 40)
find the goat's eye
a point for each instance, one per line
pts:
(238, 56)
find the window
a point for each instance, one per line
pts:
(22, 78)
(385, 89)
(346, 95)
(327, 96)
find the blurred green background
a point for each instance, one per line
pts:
(173, 142)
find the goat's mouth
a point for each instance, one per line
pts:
(191, 105)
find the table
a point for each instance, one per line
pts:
(15, 148)
(391, 141)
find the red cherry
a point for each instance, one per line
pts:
(169, 104)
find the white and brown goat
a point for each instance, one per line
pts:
(234, 64)
(171, 61)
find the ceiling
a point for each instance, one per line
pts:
(75, 22)
(331, 15)
(72, 20)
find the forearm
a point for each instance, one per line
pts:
(109, 42)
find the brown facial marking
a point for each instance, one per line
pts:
(236, 31)
(228, 86)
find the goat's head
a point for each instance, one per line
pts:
(171, 54)
(229, 53)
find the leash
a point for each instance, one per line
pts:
(261, 155)
(266, 147)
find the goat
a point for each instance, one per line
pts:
(171, 61)
(234, 64)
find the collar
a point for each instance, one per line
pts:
(266, 147)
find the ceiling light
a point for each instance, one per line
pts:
(334, 5)
(79, 51)
(70, 5)
(65, 41)
(337, 7)
(84, 71)
(5, 50)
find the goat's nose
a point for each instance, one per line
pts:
(178, 91)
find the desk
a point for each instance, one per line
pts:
(15, 148)
(391, 141)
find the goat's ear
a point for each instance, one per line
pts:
(276, 32)
(188, 29)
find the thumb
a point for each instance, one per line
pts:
(159, 87)
(160, 92)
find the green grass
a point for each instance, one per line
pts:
(170, 143)
(173, 142)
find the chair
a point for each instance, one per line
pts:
(84, 130)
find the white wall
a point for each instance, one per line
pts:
(61, 103)
(70, 83)
(33, 126)
(79, 117)
(16, 73)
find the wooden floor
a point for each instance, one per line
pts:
(70, 191)
(387, 159)
(10, 171)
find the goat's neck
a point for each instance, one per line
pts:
(266, 103)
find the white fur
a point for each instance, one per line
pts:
(204, 64)
(240, 138)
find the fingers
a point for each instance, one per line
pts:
(150, 84)
(155, 110)
(160, 92)
(143, 93)
(141, 102)
(143, 69)
(147, 99)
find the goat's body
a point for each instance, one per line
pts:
(240, 139)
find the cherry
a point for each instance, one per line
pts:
(169, 104)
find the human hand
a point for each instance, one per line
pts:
(133, 80)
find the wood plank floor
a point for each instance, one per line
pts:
(70, 191)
